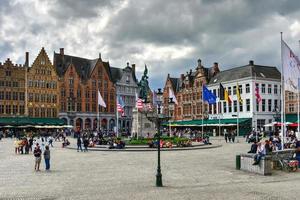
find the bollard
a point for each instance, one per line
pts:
(238, 162)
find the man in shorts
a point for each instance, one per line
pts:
(37, 154)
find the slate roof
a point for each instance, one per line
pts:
(261, 72)
(83, 66)
(117, 73)
(176, 83)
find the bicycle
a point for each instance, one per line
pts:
(288, 163)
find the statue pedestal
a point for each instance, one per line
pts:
(141, 126)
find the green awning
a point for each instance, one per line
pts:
(21, 121)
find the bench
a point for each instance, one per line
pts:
(267, 162)
(263, 168)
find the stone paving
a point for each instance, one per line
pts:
(197, 174)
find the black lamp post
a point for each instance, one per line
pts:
(158, 117)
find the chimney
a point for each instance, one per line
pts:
(133, 68)
(61, 51)
(27, 59)
(100, 56)
(127, 64)
(216, 65)
(191, 71)
(251, 62)
(168, 75)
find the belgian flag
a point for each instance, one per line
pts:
(224, 94)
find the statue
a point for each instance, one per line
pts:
(144, 85)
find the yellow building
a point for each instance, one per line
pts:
(42, 88)
(12, 89)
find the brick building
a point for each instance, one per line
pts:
(42, 88)
(12, 89)
(188, 92)
(79, 82)
(291, 102)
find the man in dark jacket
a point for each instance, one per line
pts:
(79, 144)
(253, 147)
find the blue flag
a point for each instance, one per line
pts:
(208, 96)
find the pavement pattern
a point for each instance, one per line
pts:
(197, 174)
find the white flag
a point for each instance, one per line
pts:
(100, 100)
(291, 68)
(172, 95)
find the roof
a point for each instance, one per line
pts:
(259, 71)
(83, 66)
(176, 82)
(116, 74)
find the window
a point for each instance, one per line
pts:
(93, 95)
(234, 106)
(36, 112)
(37, 97)
(94, 83)
(127, 79)
(276, 103)
(14, 95)
(79, 93)
(269, 89)
(2, 84)
(291, 107)
(8, 96)
(43, 112)
(79, 106)
(62, 106)
(291, 96)
(241, 106)
(71, 82)
(1, 95)
(22, 109)
(234, 90)
(54, 112)
(230, 107)
(241, 89)
(49, 112)
(229, 90)
(263, 105)
(215, 92)
(30, 97)
(63, 92)
(30, 112)
(94, 107)
(275, 89)
(8, 109)
(87, 107)
(224, 107)
(263, 88)
(248, 105)
(15, 109)
(8, 73)
(71, 92)
(270, 105)
(87, 93)
(1, 109)
(22, 96)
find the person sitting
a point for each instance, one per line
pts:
(168, 144)
(151, 144)
(268, 146)
(206, 141)
(261, 152)
(253, 148)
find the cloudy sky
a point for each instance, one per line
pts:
(169, 36)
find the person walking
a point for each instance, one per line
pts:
(79, 144)
(86, 144)
(47, 157)
(225, 135)
(37, 154)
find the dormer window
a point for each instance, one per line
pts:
(42, 61)
(127, 79)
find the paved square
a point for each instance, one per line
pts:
(196, 174)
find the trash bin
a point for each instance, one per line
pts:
(238, 162)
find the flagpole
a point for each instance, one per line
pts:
(202, 111)
(282, 97)
(238, 110)
(220, 106)
(254, 108)
(117, 129)
(298, 111)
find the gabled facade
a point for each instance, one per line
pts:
(188, 92)
(126, 86)
(42, 88)
(12, 89)
(80, 79)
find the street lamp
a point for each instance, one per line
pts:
(158, 117)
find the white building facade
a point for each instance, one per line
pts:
(247, 78)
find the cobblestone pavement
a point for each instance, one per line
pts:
(197, 174)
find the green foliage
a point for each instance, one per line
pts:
(144, 141)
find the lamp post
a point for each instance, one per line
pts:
(158, 117)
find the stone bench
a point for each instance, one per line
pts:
(267, 162)
(263, 168)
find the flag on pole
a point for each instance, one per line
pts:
(258, 97)
(239, 98)
(224, 94)
(120, 105)
(291, 68)
(208, 95)
(138, 102)
(172, 95)
(100, 100)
